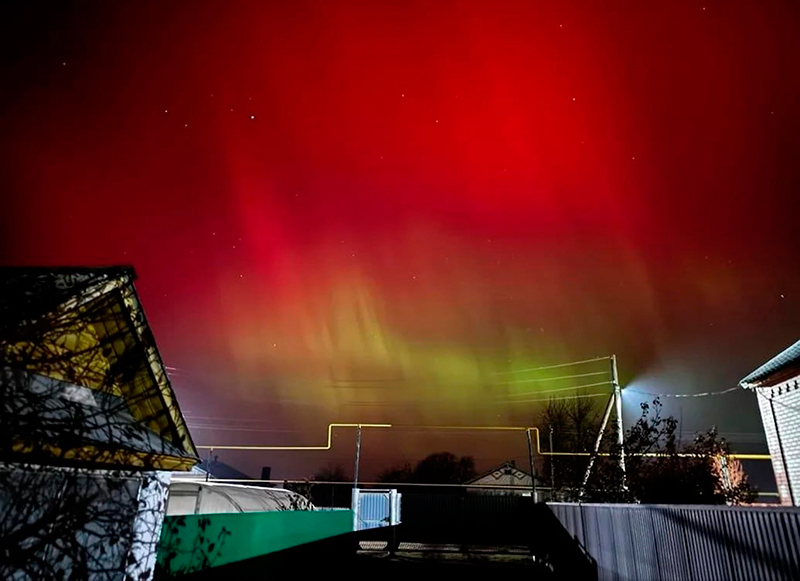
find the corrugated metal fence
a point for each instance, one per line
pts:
(659, 542)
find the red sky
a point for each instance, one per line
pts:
(363, 211)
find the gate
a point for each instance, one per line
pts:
(374, 509)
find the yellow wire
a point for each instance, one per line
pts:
(326, 447)
(473, 428)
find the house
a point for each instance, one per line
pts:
(220, 470)
(90, 428)
(506, 478)
(777, 387)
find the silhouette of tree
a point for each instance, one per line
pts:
(322, 492)
(445, 468)
(575, 424)
(402, 473)
(661, 471)
(437, 468)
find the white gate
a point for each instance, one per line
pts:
(375, 508)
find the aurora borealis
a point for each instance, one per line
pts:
(366, 211)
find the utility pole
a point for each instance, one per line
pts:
(355, 504)
(597, 442)
(552, 468)
(358, 456)
(620, 428)
(530, 459)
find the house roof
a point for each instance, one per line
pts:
(221, 470)
(783, 366)
(75, 345)
(498, 473)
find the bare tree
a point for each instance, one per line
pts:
(659, 470)
(575, 424)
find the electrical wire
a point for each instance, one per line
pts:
(556, 398)
(537, 392)
(554, 378)
(703, 394)
(554, 366)
(235, 429)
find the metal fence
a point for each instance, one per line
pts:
(659, 542)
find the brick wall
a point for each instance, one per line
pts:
(784, 401)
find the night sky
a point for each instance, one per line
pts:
(372, 211)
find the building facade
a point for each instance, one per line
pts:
(90, 428)
(777, 388)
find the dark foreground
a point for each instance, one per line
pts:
(464, 566)
(328, 558)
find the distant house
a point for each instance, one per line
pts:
(777, 387)
(222, 471)
(503, 479)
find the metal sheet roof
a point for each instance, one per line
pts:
(783, 366)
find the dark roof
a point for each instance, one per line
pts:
(221, 470)
(783, 366)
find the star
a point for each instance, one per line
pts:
(783, 296)
(166, 111)
(252, 116)
(573, 98)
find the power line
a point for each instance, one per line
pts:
(556, 398)
(703, 394)
(554, 378)
(193, 417)
(553, 366)
(234, 429)
(562, 389)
